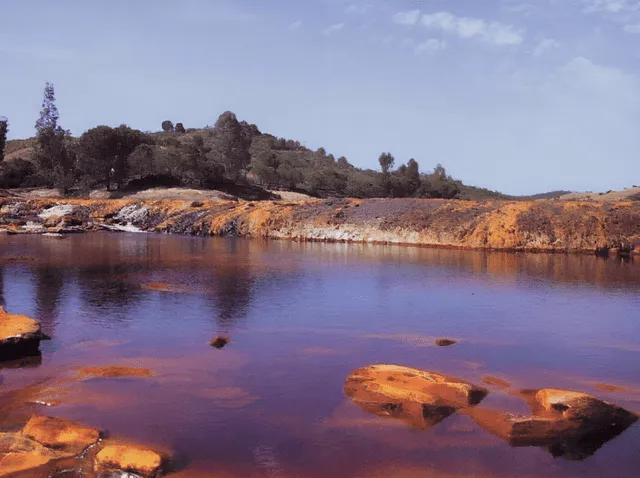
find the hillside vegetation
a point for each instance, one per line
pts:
(231, 155)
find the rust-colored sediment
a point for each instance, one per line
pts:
(562, 226)
(115, 371)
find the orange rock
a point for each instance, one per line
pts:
(129, 458)
(420, 398)
(19, 454)
(569, 424)
(115, 371)
(60, 434)
(19, 335)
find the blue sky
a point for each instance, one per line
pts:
(514, 95)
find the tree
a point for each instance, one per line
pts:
(52, 155)
(167, 126)
(386, 161)
(412, 174)
(104, 153)
(179, 128)
(4, 129)
(127, 140)
(231, 145)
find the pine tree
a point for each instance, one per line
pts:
(4, 129)
(51, 155)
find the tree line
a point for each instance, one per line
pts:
(229, 152)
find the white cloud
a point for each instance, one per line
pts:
(432, 45)
(295, 25)
(407, 42)
(467, 27)
(544, 45)
(632, 28)
(333, 28)
(611, 6)
(407, 18)
(358, 9)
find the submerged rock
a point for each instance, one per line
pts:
(219, 341)
(115, 371)
(420, 398)
(445, 342)
(62, 435)
(569, 424)
(129, 458)
(19, 336)
(489, 380)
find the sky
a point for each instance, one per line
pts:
(520, 96)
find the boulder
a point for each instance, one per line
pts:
(569, 424)
(419, 398)
(19, 336)
(62, 435)
(129, 458)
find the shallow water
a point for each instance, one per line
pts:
(301, 317)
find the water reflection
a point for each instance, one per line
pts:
(108, 293)
(49, 282)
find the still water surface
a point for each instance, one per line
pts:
(301, 317)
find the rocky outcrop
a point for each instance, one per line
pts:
(419, 398)
(43, 443)
(546, 225)
(569, 424)
(19, 336)
(47, 446)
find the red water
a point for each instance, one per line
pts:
(301, 317)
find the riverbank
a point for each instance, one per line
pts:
(532, 226)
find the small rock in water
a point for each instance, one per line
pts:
(219, 341)
(444, 342)
(129, 458)
(20, 336)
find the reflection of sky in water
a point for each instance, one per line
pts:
(301, 317)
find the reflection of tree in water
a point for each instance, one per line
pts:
(232, 289)
(2, 302)
(106, 290)
(49, 282)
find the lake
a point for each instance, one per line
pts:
(301, 317)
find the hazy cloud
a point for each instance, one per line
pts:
(544, 45)
(468, 27)
(333, 28)
(358, 9)
(432, 45)
(632, 28)
(295, 25)
(407, 18)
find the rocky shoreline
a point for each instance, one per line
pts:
(530, 226)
